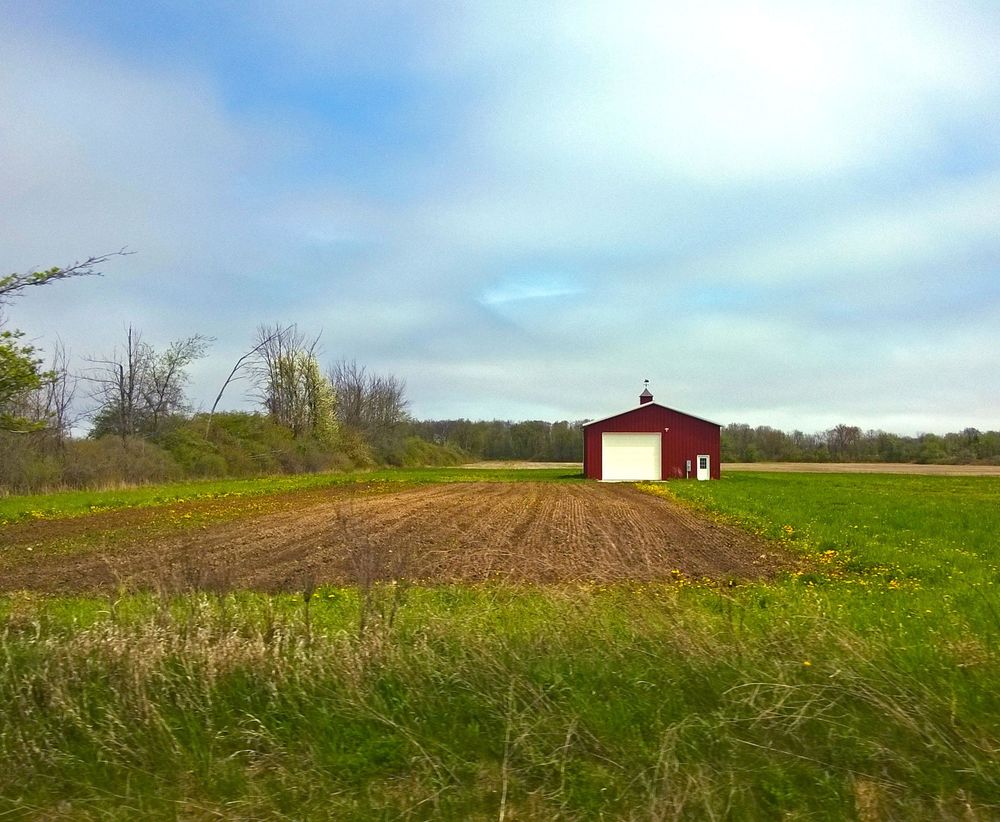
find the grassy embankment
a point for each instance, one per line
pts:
(865, 689)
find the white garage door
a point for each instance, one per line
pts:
(630, 457)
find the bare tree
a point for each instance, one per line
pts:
(52, 402)
(289, 383)
(136, 388)
(45, 408)
(373, 404)
(163, 390)
(60, 394)
(244, 362)
(843, 441)
(118, 381)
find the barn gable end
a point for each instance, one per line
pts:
(682, 437)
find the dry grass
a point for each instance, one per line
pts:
(566, 704)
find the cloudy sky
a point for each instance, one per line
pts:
(782, 213)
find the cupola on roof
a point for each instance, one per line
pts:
(645, 396)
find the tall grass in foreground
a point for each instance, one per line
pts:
(653, 702)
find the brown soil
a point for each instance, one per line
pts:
(110, 526)
(523, 532)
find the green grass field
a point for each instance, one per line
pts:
(78, 503)
(863, 688)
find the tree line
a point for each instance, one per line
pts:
(532, 440)
(849, 443)
(563, 442)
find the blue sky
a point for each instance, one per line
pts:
(783, 213)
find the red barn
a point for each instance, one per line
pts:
(651, 442)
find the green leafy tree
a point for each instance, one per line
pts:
(932, 449)
(20, 367)
(19, 375)
(320, 400)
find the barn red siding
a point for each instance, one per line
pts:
(688, 436)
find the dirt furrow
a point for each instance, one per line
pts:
(527, 531)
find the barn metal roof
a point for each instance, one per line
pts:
(650, 405)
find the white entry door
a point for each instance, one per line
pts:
(704, 467)
(630, 457)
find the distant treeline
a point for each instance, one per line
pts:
(534, 440)
(848, 443)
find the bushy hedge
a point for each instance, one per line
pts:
(241, 444)
(33, 463)
(234, 445)
(414, 452)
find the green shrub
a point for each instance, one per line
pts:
(414, 452)
(237, 444)
(108, 460)
(26, 464)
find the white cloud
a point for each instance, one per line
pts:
(889, 240)
(722, 92)
(100, 154)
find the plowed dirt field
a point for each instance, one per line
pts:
(521, 532)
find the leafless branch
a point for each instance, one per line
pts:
(244, 361)
(12, 284)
